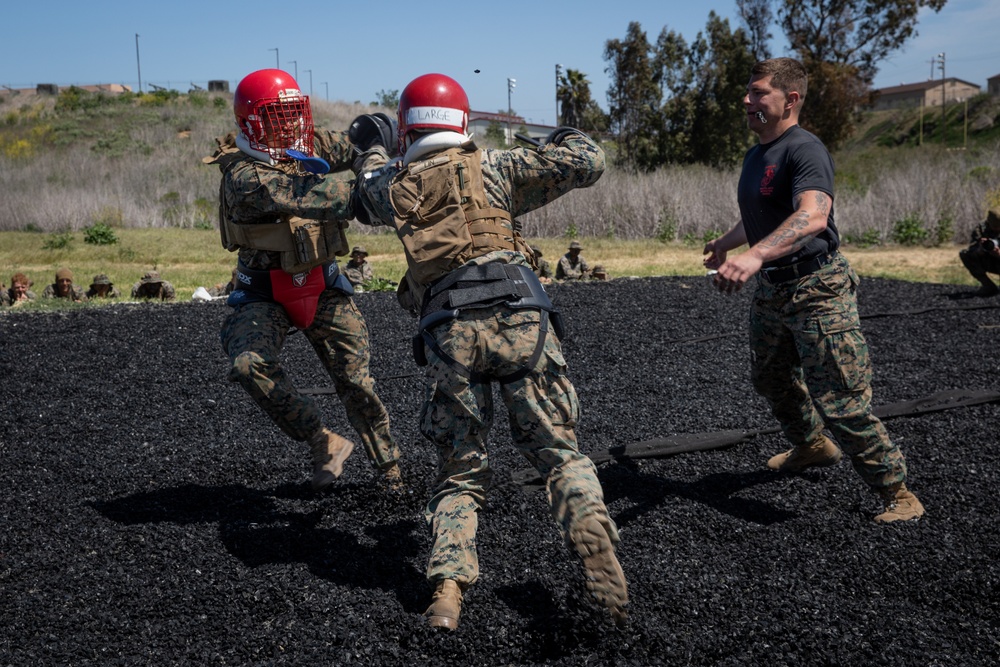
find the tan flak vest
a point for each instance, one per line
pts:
(442, 215)
(303, 243)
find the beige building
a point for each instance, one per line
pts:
(926, 93)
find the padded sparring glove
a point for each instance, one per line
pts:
(373, 129)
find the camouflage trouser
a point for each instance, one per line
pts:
(457, 417)
(979, 263)
(253, 336)
(810, 361)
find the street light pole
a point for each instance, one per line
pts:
(326, 86)
(276, 65)
(310, 72)
(558, 72)
(296, 75)
(137, 67)
(511, 85)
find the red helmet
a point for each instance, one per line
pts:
(432, 102)
(273, 114)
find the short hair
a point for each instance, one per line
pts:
(787, 74)
(19, 278)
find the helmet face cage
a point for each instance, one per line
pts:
(273, 114)
(432, 102)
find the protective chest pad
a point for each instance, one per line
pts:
(298, 293)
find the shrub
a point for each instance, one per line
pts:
(59, 241)
(377, 284)
(99, 233)
(944, 231)
(869, 238)
(572, 232)
(666, 231)
(909, 230)
(710, 235)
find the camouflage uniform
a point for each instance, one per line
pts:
(359, 273)
(810, 361)
(809, 358)
(254, 333)
(100, 280)
(572, 268)
(495, 341)
(977, 259)
(543, 268)
(4, 297)
(151, 286)
(52, 292)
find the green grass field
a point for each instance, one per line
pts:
(190, 258)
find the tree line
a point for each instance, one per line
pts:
(674, 102)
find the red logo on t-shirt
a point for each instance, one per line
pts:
(765, 183)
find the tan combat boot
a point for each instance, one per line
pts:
(393, 478)
(329, 451)
(822, 452)
(605, 579)
(446, 605)
(900, 504)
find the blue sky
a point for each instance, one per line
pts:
(352, 50)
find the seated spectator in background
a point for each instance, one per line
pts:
(983, 254)
(226, 289)
(359, 269)
(152, 286)
(20, 290)
(598, 273)
(63, 287)
(101, 287)
(544, 270)
(572, 265)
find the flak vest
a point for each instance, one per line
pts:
(443, 218)
(303, 244)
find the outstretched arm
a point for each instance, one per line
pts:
(812, 212)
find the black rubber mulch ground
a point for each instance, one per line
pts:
(151, 514)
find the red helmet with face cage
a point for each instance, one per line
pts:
(273, 114)
(432, 102)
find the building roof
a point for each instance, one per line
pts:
(921, 86)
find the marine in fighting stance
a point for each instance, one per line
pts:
(286, 217)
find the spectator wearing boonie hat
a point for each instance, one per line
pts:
(152, 286)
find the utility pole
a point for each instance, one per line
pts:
(276, 65)
(511, 85)
(558, 72)
(137, 67)
(944, 136)
(310, 72)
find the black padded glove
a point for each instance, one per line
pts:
(557, 135)
(373, 129)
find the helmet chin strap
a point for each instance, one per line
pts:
(244, 145)
(433, 141)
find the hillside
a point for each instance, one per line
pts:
(134, 161)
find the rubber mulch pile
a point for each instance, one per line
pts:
(153, 515)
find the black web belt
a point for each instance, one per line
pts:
(782, 274)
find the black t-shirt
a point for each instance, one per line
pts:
(773, 174)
